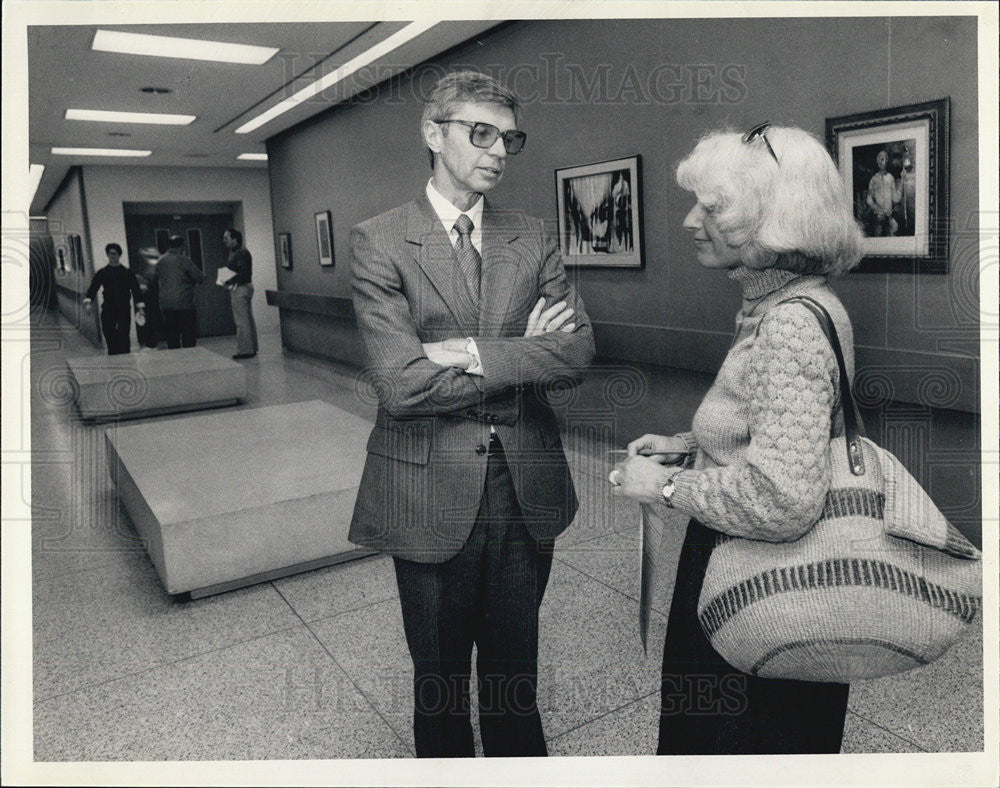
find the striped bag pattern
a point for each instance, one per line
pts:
(881, 584)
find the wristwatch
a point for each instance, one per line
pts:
(668, 492)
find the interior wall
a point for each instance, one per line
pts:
(107, 187)
(603, 89)
(66, 215)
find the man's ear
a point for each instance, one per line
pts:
(433, 133)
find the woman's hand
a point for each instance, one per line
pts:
(641, 478)
(664, 449)
(552, 319)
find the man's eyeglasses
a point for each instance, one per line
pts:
(758, 131)
(483, 135)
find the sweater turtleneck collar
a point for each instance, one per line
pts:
(757, 283)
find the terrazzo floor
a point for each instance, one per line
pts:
(315, 666)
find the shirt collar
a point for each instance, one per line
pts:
(448, 213)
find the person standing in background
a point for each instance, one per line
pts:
(149, 334)
(176, 275)
(241, 293)
(119, 284)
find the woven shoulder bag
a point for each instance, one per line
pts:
(881, 584)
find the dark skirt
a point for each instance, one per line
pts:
(708, 707)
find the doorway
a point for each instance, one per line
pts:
(148, 227)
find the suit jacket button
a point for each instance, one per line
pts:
(480, 449)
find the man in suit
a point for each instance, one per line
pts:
(467, 317)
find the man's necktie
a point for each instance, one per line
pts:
(468, 258)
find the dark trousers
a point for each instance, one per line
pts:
(487, 595)
(115, 325)
(708, 707)
(180, 326)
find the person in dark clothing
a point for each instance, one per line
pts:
(119, 285)
(241, 293)
(176, 275)
(149, 334)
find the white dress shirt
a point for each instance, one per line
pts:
(448, 214)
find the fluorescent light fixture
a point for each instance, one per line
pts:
(394, 41)
(253, 156)
(107, 116)
(186, 48)
(100, 152)
(34, 178)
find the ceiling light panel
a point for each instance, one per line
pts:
(253, 156)
(185, 48)
(108, 116)
(394, 41)
(100, 152)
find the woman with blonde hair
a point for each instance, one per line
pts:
(773, 212)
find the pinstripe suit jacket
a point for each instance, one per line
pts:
(426, 465)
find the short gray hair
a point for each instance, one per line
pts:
(460, 87)
(795, 214)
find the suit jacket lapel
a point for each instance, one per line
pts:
(500, 265)
(433, 252)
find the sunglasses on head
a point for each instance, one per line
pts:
(483, 135)
(758, 131)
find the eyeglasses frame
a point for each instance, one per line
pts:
(758, 131)
(499, 134)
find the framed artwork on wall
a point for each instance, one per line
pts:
(285, 250)
(324, 237)
(895, 166)
(599, 210)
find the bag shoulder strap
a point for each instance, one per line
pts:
(854, 428)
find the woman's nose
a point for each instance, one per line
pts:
(693, 220)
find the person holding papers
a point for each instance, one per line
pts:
(771, 212)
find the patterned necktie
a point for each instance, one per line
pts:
(468, 258)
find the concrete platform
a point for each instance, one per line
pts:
(233, 498)
(154, 382)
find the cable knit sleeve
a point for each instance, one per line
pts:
(691, 443)
(777, 492)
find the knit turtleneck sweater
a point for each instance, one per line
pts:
(762, 466)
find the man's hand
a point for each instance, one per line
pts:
(552, 319)
(86, 305)
(664, 449)
(449, 353)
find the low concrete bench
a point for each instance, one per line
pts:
(238, 497)
(153, 383)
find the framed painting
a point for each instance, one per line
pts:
(285, 250)
(895, 167)
(599, 210)
(324, 237)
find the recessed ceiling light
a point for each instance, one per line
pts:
(185, 48)
(100, 152)
(156, 91)
(253, 156)
(394, 41)
(108, 116)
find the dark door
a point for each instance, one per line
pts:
(202, 234)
